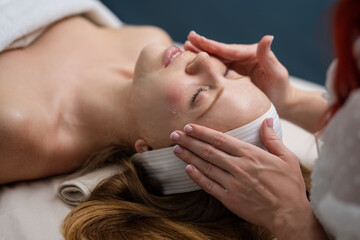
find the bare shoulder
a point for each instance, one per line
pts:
(18, 147)
(31, 147)
(12, 123)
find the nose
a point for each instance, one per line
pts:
(201, 62)
(203, 65)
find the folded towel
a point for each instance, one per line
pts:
(22, 21)
(76, 189)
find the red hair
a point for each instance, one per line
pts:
(346, 28)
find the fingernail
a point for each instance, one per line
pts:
(192, 31)
(177, 149)
(272, 39)
(174, 136)
(188, 128)
(270, 122)
(189, 168)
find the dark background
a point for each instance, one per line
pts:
(302, 28)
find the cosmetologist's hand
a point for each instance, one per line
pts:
(265, 188)
(254, 60)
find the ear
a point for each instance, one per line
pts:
(142, 146)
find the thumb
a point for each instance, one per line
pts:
(268, 60)
(271, 141)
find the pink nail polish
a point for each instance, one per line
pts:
(177, 149)
(174, 136)
(188, 128)
(270, 122)
(189, 168)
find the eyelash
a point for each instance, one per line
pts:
(226, 72)
(197, 93)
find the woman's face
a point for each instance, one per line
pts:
(168, 93)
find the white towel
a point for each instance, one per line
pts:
(22, 21)
(77, 189)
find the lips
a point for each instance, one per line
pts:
(170, 54)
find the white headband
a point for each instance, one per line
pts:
(169, 170)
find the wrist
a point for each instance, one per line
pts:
(300, 224)
(290, 100)
(304, 108)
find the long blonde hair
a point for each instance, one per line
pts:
(129, 206)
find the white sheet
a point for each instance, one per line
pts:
(32, 210)
(77, 188)
(22, 21)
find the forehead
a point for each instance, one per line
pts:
(239, 104)
(225, 114)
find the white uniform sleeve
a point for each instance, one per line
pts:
(336, 178)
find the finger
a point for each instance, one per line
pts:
(271, 141)
(234, 52)
(188, 46)
(210, 186)
(211, 171)
(242, 68)
(268, 60)
(218, 140)
(204, 150)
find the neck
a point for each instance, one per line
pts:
(105, 115)
(119, 117)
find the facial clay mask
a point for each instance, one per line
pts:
(169, 170)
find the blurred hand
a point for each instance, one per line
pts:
(254, 60)
(265, 188)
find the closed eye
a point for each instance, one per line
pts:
(199, 90)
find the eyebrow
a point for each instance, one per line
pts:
(218, 95)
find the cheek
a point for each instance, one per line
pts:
(165, 116)
(174, 97)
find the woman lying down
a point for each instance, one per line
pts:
(73, 98)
